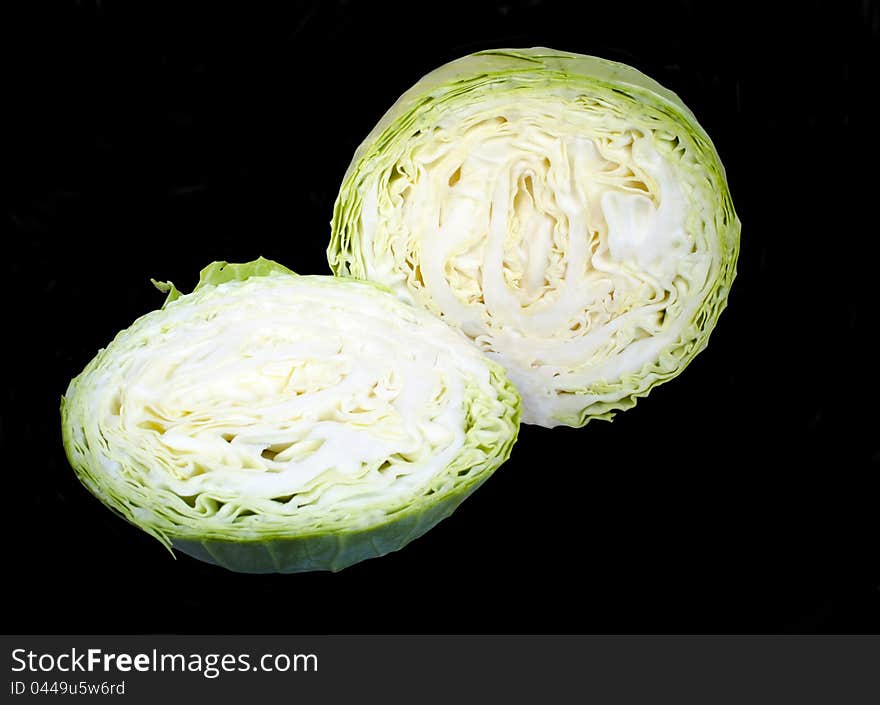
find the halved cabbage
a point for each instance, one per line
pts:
(270, 422)
(566, 212)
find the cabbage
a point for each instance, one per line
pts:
(270, 422)
(566, 212)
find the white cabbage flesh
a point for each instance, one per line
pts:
(579, 237)
(281, 406)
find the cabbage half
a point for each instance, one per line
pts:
(270, 422)
(566, 212)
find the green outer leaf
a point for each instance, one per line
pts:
(338, 550)
(330, 550)
(221, 272)
(543, 67)
(218, 273)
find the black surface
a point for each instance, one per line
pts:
(740, 497)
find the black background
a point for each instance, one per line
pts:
(147, 141)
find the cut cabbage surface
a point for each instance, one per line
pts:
(567, 213)
(270, 422)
